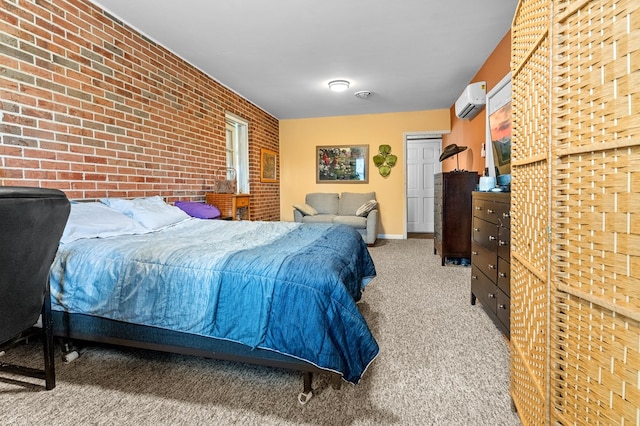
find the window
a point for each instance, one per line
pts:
(238, 151)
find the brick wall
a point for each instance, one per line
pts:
(93, 108)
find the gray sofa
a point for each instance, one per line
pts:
(323, 207)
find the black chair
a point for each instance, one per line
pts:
(31, 224)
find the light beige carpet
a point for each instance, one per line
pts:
(441, 362)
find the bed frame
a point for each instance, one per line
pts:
(69, 327)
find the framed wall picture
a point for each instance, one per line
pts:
(498, 147)
(268, 165)
(342, 164)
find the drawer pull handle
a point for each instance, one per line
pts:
(503, 243)
(476, 229)
(474, 277)
(475, 253)
(492, 296)
(506, 215)
(478, 208)
(502, 306)
(492, 266)
(502, 275)
(492, 238)
(491, 211)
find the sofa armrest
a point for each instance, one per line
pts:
(372, 227)
(297, 215)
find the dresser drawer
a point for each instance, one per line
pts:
(483, 288)
(503, 213)
(491, 256)
(504, 280)
(485, 260)
(242, 201)
(504, 243)
(485, 233)
(485, 210)
(503, 309)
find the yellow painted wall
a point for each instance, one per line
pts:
(298, 141)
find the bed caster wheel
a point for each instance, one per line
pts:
(303, 397)
(69, 354)
(69, 357)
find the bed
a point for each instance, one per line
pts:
(145, 274)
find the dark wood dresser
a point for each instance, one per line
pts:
(491, 256)
(452, 214)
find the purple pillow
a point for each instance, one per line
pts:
(199, 210)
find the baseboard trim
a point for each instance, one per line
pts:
(391, 237)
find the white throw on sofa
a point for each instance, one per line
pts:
(355, 209)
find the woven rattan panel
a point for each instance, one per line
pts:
(531, 108)
(530, 23)
(529, 342)
(596, 232)
(529, 209)
(595, 366)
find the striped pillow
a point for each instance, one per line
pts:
(364, 209)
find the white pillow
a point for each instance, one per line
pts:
(305, 209)
(95, 220)
(152, 212)
(364, 209)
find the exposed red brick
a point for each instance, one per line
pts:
(114, 114)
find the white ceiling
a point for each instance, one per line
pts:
(280, 54)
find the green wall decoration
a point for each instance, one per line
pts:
(384, 160)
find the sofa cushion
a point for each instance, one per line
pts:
(318, 218)
(351, 201)
(325, 202)
(305, 209)
(353, 221)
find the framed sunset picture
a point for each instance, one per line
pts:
(498, 145)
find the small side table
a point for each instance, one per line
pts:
(235, 206)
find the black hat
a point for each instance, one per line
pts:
(451, 150)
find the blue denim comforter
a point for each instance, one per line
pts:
(281, 286)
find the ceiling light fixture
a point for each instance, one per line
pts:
(338, 85)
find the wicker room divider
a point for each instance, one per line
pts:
(531, 135)
(575, 268)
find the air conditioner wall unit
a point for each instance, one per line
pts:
(472, 100)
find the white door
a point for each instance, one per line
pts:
(422, 164)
